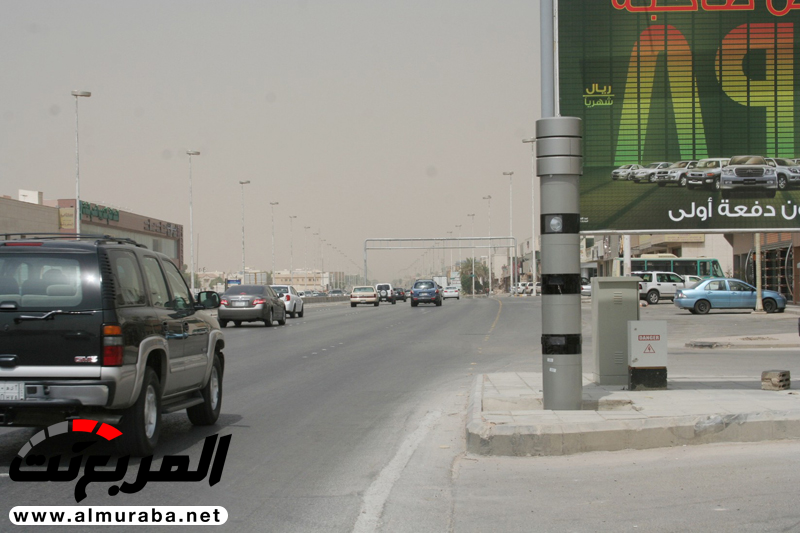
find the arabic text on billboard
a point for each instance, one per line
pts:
(690, 112)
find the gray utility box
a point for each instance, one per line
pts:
(615, 301)
(647, 354)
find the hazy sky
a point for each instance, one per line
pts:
(362, 118)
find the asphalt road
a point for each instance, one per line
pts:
(353, 420)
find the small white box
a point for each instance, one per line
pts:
(647, 343)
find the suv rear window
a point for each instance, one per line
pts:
(424, 285)
(383, 287)
(50, 280)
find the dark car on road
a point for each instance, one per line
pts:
(251, 303)
(104, 329)
(426, 291)
(400, 294)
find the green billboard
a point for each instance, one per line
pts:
(669, 81)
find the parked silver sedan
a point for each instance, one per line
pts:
(251, 303)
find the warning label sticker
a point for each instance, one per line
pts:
(649, 337)
(649, 349)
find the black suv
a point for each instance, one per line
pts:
(103, 328)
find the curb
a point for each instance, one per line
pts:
(563, 438)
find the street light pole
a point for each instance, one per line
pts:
(272, 208)
(491, 250)
(78, 94)
(532, 142)
(305, 254)
(190, 153)
(291, 249)
(459, 250)
(315, 261)
(473, 254)
(243, 183)
(511, 229)
(451, 259)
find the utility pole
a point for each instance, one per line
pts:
(491, 250)
(473, 254)
(512, 256)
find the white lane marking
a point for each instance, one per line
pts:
(378, 492)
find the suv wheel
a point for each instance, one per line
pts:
(141, 422)
(652, 297)
(302, 310)
(282, 322)
(652, 178)
(682, 181)
(268, 321)
(207, 413)
(715, 185)
(783, 183)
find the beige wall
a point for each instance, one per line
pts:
(21, 217)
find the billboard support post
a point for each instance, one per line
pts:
(559, 164)
(759, 306)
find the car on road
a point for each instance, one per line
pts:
(727, 293)
(675, 173)
(364, 295)
(426, 291)
(586, 287)
(648, 173)
(336, 292)
(386, 292)
(97, 328)
(746, 173)
(400, 294)
(707, 173)
(451, 292)
(656, 286)
(251, 303)
(624, 172)
(691, 281)
(788, 171)
(292, 300)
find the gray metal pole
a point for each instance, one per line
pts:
(272, 206)
(759, 305)
(559, 163)
(512, 264)
(473, 255)
(77, 95)
(190, 153)
(291, 249)
(242, 183)
(547, 44)
(491, 254)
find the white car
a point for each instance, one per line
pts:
(291, 298)
(451, 292)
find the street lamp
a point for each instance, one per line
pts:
(315, 261)
(511, 228)
(451, 256)
(489, 197)
(532, 142)
(272, 207)
(291, 250)
(473, 254)
(78, 94)
(243, 183)
(190, 153)
(305, 254)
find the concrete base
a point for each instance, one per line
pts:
(503, 418)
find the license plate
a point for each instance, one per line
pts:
(239, 304)
(12, 391)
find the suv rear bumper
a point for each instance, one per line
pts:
(56, 400)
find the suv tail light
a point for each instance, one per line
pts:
(259, 301)
(288, 297)
(112, 345)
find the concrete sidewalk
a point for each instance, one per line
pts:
(505, 416)
(772, 340)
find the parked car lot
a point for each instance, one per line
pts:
(251, 303)
(723, 293)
